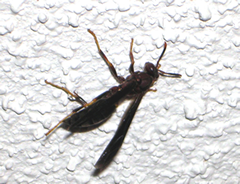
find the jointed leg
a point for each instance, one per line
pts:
(131, 68)
(153, 90)
(52, 129)
(119, 79)
(76, 97)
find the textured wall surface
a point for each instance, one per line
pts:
(186, 132)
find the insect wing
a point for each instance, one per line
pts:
(116, 142)
(90, 117)
(101, 110)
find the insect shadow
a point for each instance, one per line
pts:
(93, 114)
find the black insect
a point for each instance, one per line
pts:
(91, 115)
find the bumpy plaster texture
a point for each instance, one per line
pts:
(186, 132)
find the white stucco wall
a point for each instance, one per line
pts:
(186, 132)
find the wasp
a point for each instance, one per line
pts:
(91, 115)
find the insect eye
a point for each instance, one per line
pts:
(151, 70)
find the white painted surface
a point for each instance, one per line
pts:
(186, 132)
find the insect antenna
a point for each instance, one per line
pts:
(164, 49)
(173, 75)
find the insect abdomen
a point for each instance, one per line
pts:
(89, 118)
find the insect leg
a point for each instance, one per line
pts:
(173, 75)
(164, 49)
(153, 90)
(119, 79)
(76, 97)
(80, 100)
(131, 69)
(60, 122)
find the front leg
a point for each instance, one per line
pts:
(119, 79)
(131, 68)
